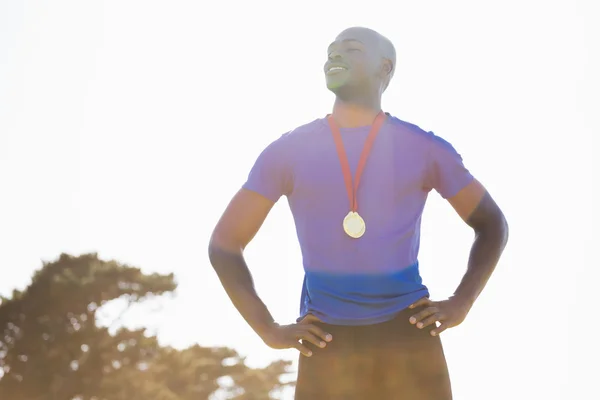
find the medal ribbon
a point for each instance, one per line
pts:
(339, 144)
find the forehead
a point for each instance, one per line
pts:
(365, 37)
(344, 41)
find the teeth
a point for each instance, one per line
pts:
(336, 69)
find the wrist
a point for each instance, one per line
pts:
(266, 329)
(465, 301)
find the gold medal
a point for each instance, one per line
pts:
(354, 225)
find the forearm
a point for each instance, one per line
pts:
(237, 281)
(487, 248)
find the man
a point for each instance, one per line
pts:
(357, 182)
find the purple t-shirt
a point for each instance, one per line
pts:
(367, 280)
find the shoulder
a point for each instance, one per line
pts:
(299, 136)
(306, 130)
(418, 135)
(286, 146)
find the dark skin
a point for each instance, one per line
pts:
(359, 84)
(365, 76)
(240, 222)
(491, 235)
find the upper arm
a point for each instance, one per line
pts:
(241, 220)
(272, 173)
(477, 208)
(448, 175)
(268, 180)
(446, 172)
(465, 202)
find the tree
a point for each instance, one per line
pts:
(51, 347)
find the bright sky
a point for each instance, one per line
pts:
(125, 128)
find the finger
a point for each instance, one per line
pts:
(302, 349)
(429, 320)
(307, 335)
(423, 314)
(309, 319)
(443, 326)
(424, 301)
(320, 333)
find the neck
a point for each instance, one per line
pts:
(355, 114)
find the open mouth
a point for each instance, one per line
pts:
(335, 70)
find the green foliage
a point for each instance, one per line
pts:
(51, 347)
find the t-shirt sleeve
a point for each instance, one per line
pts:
(446, 172)
(271, 174)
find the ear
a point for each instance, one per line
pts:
(387, 67)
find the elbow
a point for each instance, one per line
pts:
(505, 228)
(494, 228)
(221, 252)
(212, 253)
(213, 250)
(501, 227)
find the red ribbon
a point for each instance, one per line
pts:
(339, 144)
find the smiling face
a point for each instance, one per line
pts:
(357, 63)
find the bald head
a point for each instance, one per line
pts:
(375, 40)
(363, 61)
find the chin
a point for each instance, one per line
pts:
(342, 91)
(336, 84)
(333, 84)
(335, 88)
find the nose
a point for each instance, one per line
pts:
(334, 55)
